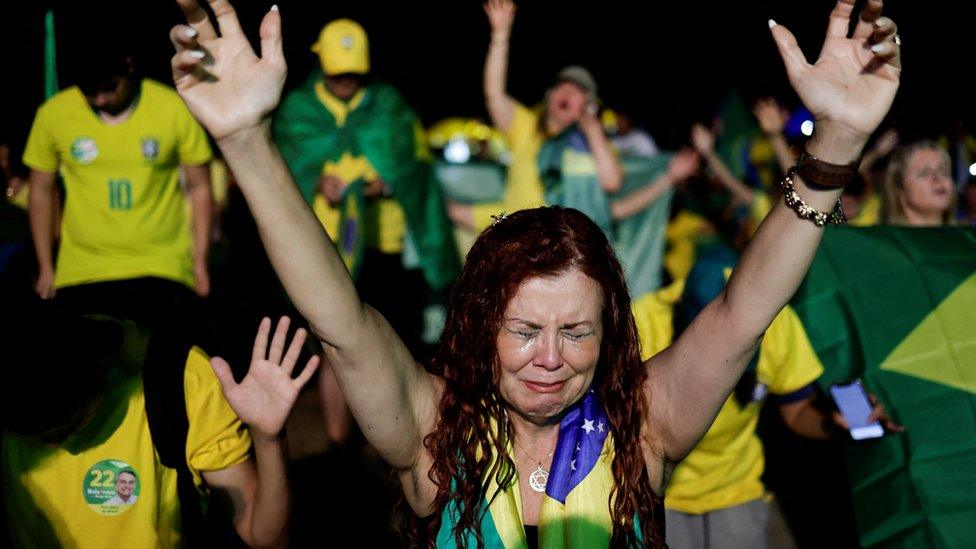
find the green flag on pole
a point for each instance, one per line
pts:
(897, 308)
(50, 57)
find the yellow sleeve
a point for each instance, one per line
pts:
(787, 361)
(41, 152)
(521, 134)
(653, 314)
(217, 438)
(194, 149)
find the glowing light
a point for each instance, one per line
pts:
(457, 151)
(972, 169)
(807, 128)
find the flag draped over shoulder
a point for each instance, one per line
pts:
(897, 307)
(576, 509)
(385, 130)
(569, 177)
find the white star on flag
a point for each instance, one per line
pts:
(599, 426)
(588, 425)
(577, 447)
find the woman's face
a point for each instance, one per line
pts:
(549, 344)
(567, 102)
(927, 186)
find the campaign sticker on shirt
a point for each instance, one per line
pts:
(110, 487)
(150, 148)
(84, 150)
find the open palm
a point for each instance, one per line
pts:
(853, 83)
(226, 86)
(263, 400)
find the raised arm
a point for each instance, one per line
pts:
(258, 489)
(683, 164)
(232, 92)
(849, 91)
(704, 143)
(501, 106)
(772, 120)
(609, 172)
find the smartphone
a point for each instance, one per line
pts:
(853, 402)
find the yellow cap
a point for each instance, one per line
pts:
(343, 48)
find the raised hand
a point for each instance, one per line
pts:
(886, 142)
(850, 88)
(771, 116)
(265, 397)
(501, 15)
(702, 139)
(683, 164)
(226, 86)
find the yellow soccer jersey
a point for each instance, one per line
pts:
(523, 189)
(104, 486)
(725, 467)
(124, 213)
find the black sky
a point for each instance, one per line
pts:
(667, 63)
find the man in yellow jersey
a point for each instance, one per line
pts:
(715, 496)
(359, 156)
(119, 141)
(83, 467)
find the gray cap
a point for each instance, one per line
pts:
(581, 77)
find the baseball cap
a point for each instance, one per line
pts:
(581, 77)
(343, 48)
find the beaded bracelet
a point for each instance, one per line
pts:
(793, 200)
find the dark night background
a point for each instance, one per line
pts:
(668, 63)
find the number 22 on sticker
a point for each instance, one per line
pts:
(102, 479)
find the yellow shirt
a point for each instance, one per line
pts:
(523, 189)
(725, 467)
(385, 222)
(124, 213)
(870, 212)
(67, 496)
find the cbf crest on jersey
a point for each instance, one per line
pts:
(150, 148)
(84, 150)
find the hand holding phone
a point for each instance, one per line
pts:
(856, 408)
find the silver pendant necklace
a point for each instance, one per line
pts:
(540, 477)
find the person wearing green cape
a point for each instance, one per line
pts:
(359, 157)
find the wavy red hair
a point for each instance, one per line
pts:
(532, 243)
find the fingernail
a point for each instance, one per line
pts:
(877, 48)
(772, 23)
(197, 54)
(274, 7)
(189, 32)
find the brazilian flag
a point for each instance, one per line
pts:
(568, 173)
(382, 128)
(897, 307)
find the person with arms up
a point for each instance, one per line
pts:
(119, 140)
(570, 105)
(537, 420)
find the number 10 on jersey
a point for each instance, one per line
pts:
(119, 194)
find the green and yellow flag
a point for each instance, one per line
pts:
(897, 308)
(383, 129)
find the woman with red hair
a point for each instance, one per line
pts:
(537, 409)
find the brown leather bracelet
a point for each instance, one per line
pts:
(820, 173)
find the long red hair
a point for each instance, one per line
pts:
(531, 243)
